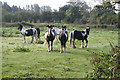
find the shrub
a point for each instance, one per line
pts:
(106, 65)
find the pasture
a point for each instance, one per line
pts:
(32, 60)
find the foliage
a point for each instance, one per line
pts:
(106, 65)
(103, 15)
(76, 11)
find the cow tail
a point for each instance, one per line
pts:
(45, 43)
(36, 35)
(39, 35)
(71, 37)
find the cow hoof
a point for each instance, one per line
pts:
(51, 49)
(60, 51)
(74, 47)
(48, 51)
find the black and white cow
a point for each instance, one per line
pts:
(49, 37)
(28, 32)
(79, 35)
(57, 31)
(63, 37)
(38, 32)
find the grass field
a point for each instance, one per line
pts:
(26, 60)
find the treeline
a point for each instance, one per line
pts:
(77, 12)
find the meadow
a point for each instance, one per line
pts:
(32, 60)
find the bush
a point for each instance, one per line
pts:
(106, 65)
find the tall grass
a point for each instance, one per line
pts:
(106, 65)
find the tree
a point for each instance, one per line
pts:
(36, 8)
(75, 11)
(45, 9)
(6, 7)
(62, 11)
(7, 17)
(32, 8)
(46, 17)
(102, 14)
(14, 8)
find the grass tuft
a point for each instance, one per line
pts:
(21, 49)
(40, 42)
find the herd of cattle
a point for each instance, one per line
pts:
(52, 32)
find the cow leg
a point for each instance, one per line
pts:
(64, 47)
(32, 38)
(36, 38)
(61, 48)
(51, 48)
(73, 44)
(82, 45)
(24, 39)
(35, 34)
(48, 46)
(56, 38)
(86, 43)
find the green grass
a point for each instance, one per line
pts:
(21, 49)
(38, 63)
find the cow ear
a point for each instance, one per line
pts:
(64, 26)
(87, 27)
(19, 24)
(47, 26)
(53, 25)
(31, 26)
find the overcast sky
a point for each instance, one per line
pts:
(54, 4)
